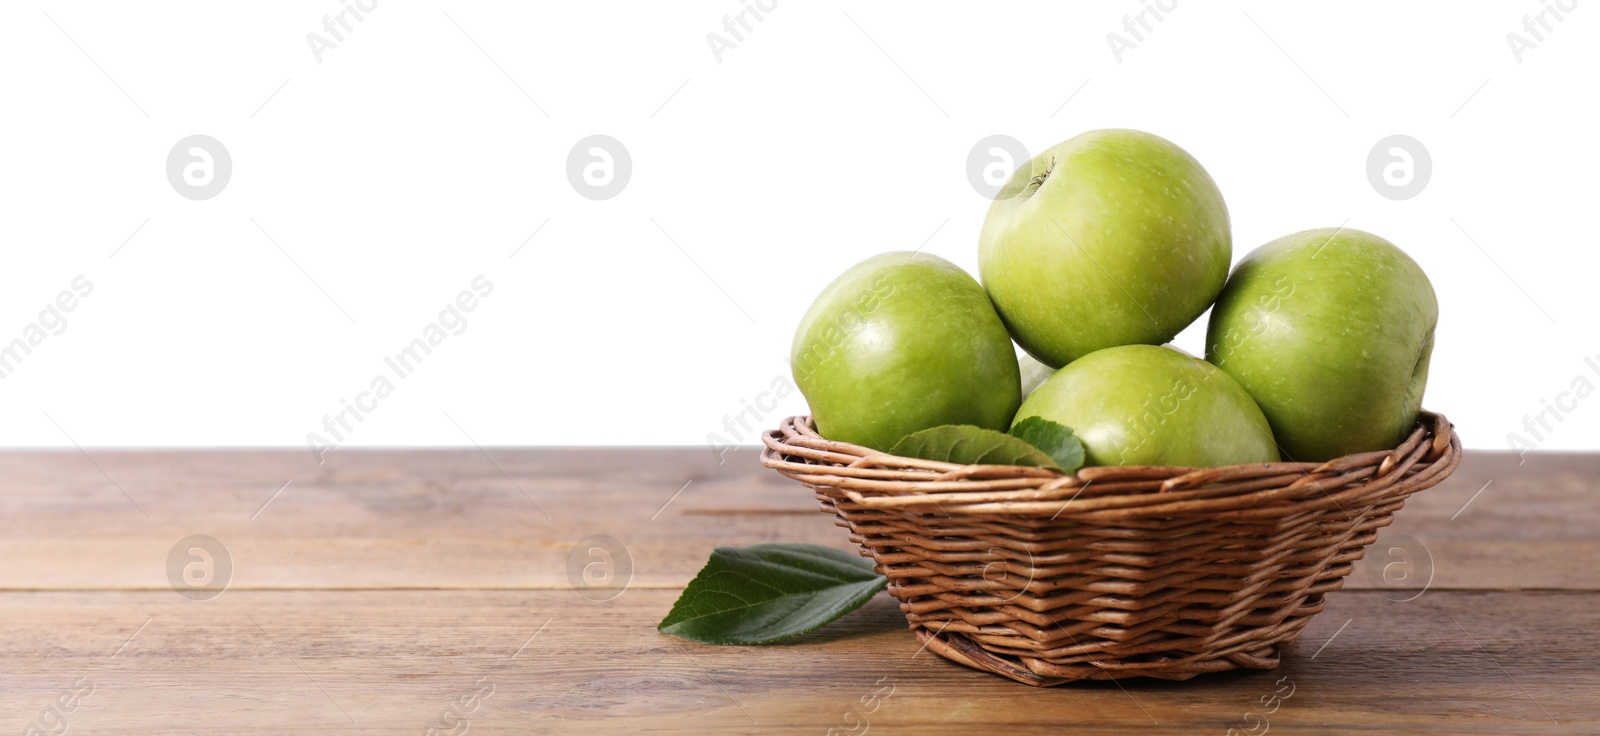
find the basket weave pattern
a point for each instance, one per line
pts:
(1112, 572)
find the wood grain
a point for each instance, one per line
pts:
(374, 591)
(501, 518)
(393, 661)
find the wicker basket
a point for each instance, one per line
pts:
(1112, 572)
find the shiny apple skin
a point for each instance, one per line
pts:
(902, 342)
(1114, 237)
(1331, 331)
(1153, 405)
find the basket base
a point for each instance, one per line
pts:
(958, 648)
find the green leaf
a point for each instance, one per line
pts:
(968, 445)
(1053, 439)
(769, 592)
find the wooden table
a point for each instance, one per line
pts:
(392, 592)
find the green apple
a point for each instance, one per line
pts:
(1330, 330)
(1152, 405)
(902, 342)
(1115, 237)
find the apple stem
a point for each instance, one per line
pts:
(1038, 181)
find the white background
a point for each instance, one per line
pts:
(407, 162)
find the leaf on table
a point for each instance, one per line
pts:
(1054, 439)
(965, 444)
(769, 592)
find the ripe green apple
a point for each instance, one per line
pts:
(902, 342)
(1114, 237)
(1330, 330)
(1153, 405)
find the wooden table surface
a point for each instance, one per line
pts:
(403, 591)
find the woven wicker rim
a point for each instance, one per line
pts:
(879, 480)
